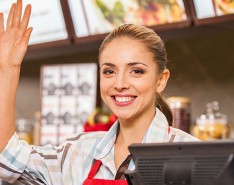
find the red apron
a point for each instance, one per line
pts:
(91, 181)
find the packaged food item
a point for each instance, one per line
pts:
(181, 110)
(99, 120)
(212, 124)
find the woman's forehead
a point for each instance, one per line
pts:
(125, 51)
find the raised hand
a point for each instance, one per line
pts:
(14, 39)
(13, 46)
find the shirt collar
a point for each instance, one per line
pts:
(105, 150)
(105, 145)
(157, 132)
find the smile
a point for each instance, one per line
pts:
(123, 99)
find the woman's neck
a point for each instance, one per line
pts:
(133, 130)
(130, 131)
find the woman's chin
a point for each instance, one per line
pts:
(124, 117)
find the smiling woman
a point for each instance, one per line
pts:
(125, 79)
(133, 73)
(142, 66)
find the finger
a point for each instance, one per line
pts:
(10, 17)
(26, 36)
(17, 14)
(1, 23)
(26, 16)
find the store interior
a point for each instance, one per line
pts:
(200, 55)
(200, 60)
(201, 68)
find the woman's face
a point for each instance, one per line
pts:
(129, 78)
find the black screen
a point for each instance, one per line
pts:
(193, 163)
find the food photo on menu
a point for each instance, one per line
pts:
(224, 6)
(104, 15)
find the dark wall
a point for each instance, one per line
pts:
(202, 68)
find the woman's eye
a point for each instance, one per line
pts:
(138, 71)
(107, 72)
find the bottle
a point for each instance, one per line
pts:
(36, 128)
(24, 129)
(180, 107)
(211, 125)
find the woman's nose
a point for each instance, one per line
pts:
(121, 82)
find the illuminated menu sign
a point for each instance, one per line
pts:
(212, 8)
(46, 19)
(92, 17)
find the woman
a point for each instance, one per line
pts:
(133, 73)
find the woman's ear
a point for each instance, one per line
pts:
(162, 81)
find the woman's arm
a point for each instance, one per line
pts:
(13, 46)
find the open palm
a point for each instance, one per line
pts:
(14, 39)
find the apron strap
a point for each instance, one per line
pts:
(172, 136)
(94, 169)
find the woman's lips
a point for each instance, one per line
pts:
(123, 100)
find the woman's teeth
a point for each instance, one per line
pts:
(123, 99)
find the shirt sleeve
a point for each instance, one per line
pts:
(32, 164)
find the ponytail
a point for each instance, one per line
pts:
(164, 108)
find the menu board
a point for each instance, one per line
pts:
(91, 17)
(68, 97)
(46, 19)
(213, 8)
(224, 7)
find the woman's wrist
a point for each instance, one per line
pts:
(9, 69)
(9, 73)
(9, 79)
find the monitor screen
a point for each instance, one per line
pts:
(184, 163)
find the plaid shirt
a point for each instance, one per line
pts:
(71, 162)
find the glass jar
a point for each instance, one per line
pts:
(212, 124)
(180, 107)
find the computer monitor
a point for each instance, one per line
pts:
(184, 163)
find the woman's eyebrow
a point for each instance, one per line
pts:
(129, 64)
(108, 64)
(136, 63)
